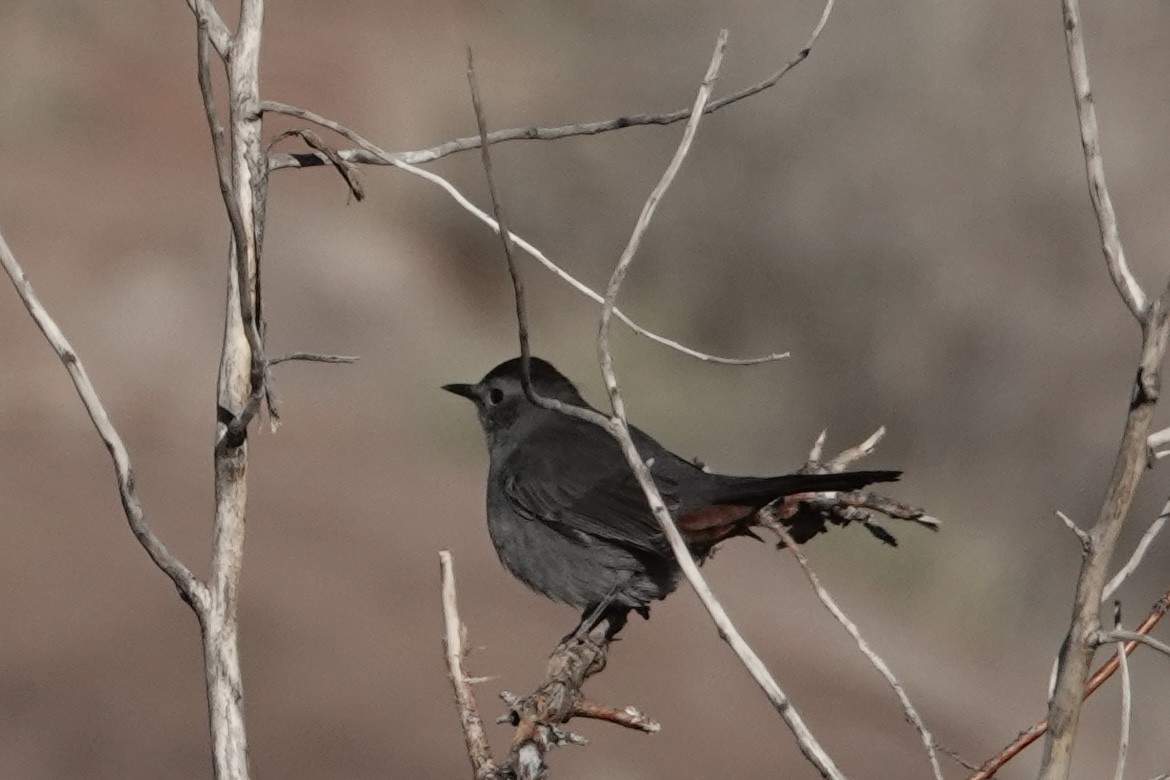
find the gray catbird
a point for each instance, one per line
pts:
(568, 518)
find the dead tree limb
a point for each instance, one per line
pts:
(1153, 316)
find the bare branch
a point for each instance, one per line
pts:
(454, 633)
(1126, 696)
(389, 159)
(1123, 279)
(1080, 533)
(1076, 653)
(347, 170)
(620, 429)
(209, 18)
(313, 357)
(242, 378)
(629, 717)
(1118, 635)
(1107, 669)
(770, 521)
(190, 589)
(818, 447)
(502, 230)
(207, 91)
(538, 715)
(847, 457)
(1139, 552)
(422, 156)
(806, 515)
(1156, 440)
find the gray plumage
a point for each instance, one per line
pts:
(566, 515)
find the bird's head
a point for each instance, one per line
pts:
(500, 399)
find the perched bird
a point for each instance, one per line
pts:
(567, 516)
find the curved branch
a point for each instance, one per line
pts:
(770, 521)
(484, 217)
(619, 428)
(421, 156)
(1123, 279)
(190, 588)
(1076, 652)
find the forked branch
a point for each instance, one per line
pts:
(1076, 652)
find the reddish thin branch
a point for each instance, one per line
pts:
(1030, 735)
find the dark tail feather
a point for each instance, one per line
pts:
(757, 491)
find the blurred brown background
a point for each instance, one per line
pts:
(906, 213)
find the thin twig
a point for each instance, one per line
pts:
(808, 744)
(1139, 552)
(770, 521)
(207, 92)
(845, 457)
(1126, 697)
(502, 230)
(190, 589)
(559, 698)
(530, 739)
(1123, 279)
(954, 756)
(313, 357)
(1159, 439)
(818, 448)
(454, 632)
(629, 717)
(422, 156)
(1080, 533)
(347, 170)
(1118, 635)
(535, 253)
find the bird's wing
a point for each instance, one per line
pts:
(587, 489)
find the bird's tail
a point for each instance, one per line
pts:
(757, 491)
(733, 502)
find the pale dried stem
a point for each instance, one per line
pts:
(619, 428)
(189, 587)
(777, 527)
(1159, 439)
(1126, 700)
(843, 459)
(478, 749)
(312, 357)
(559, 698)
(1123, 279)
(242, 379)
(364, 155)
(1076, 653)
(1118, 635)
(1080, 533)
(207, 16)
(517, 240)
(1139, 553)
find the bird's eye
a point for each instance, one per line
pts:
(495, 395)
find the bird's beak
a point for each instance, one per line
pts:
(467, 391)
